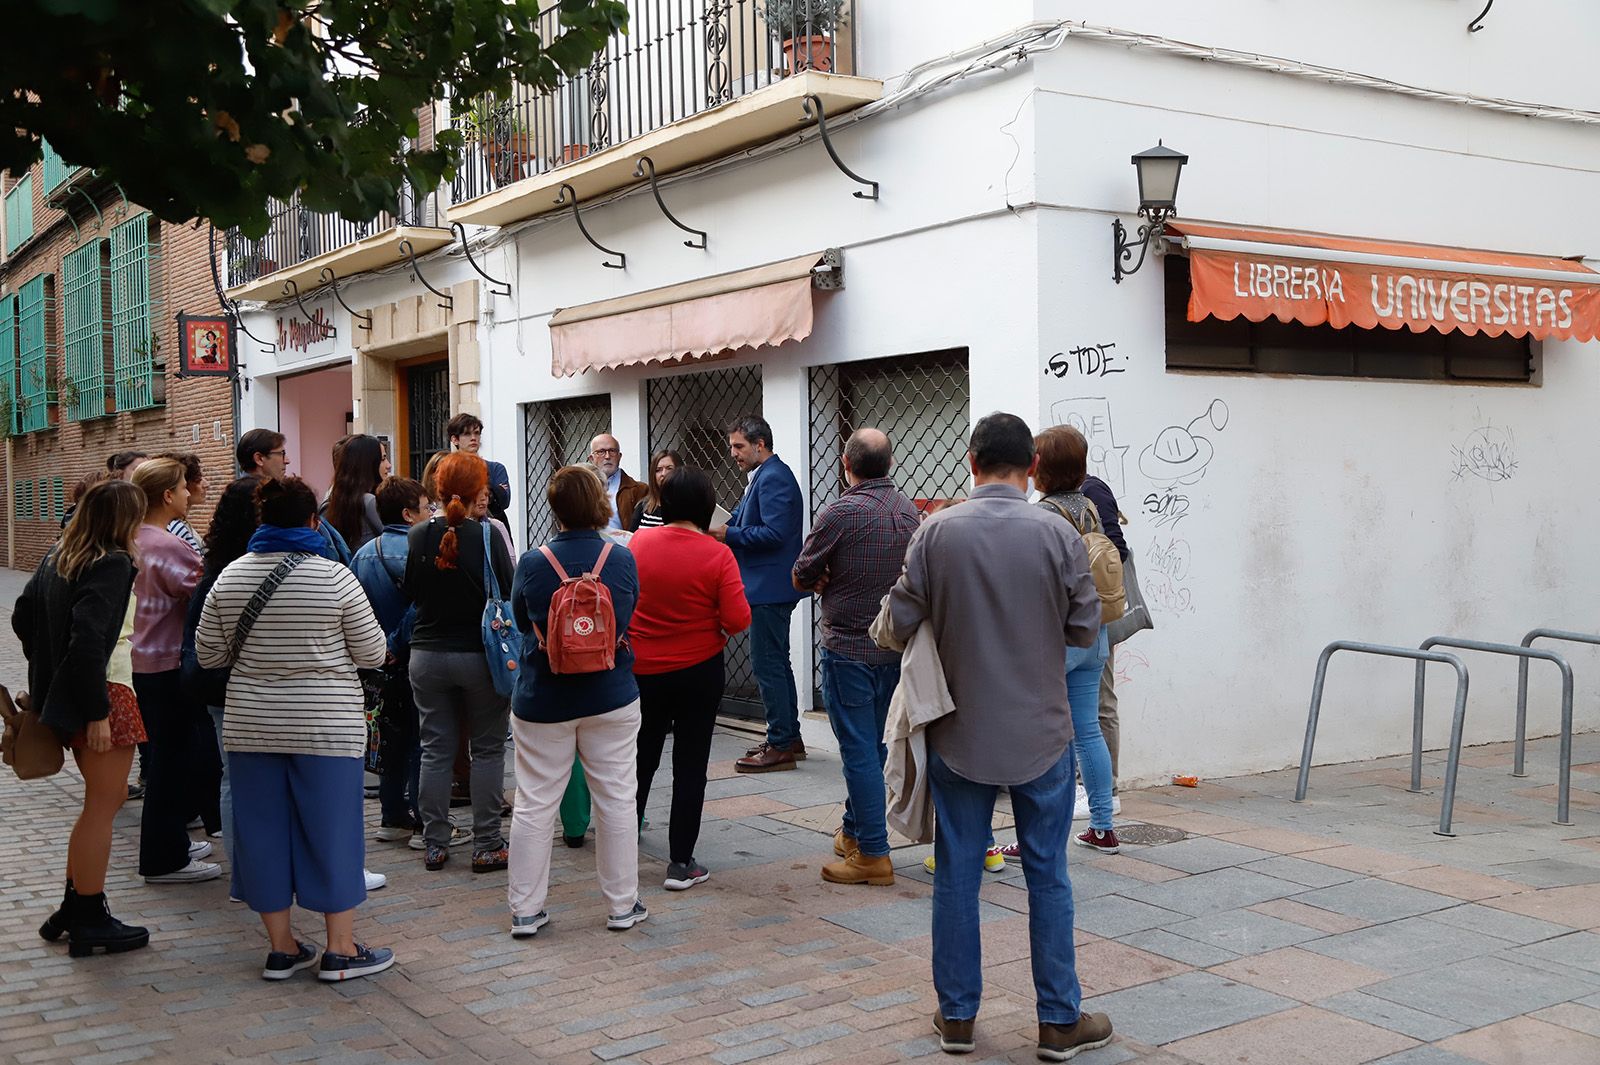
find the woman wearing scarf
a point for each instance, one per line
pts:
(295, 730)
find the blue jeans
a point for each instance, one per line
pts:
(1084, 667)
(769, 657)
(857, 697)
(1043, 809)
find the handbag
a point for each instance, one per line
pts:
(502, 641)
(29, 746)
(1137, 617)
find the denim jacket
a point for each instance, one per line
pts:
(380, 566)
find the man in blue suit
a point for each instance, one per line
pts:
(764, 534)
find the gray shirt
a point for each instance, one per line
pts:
(1007, 588)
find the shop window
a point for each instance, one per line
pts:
(1274, 347)
(556, 433)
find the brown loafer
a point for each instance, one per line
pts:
(1058, 1043)
(857, 868)
(955, 1037)
(765, 760)
(797, 748)
(844, 844)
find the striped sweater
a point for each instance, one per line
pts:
(293, 689)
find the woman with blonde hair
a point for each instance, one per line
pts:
(75, 620)
(450, 679)
(169, 572)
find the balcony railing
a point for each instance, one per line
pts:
(678, 58)
(298, 234)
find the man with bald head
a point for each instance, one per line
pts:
(852, 558)
(624, 491)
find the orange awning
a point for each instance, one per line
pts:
(753, 308)
(1317, 279)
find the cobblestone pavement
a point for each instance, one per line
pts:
(1337, 931)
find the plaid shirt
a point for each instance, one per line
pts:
(859, 541)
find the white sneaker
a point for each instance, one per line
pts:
(192, 873)
(1080, 805)
(374, 880)
(199, 849)
(1116, 805)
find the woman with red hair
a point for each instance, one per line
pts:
(449, 673)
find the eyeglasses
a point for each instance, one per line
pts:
(280, 451)
(607, 451)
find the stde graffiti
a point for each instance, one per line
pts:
(300, 333)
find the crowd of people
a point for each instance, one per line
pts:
(389, 625)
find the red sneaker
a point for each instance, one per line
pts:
(1104, 842)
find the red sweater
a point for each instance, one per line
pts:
(690, 599)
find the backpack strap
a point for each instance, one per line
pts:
(600, 563)
(258, 601)
(555, 563)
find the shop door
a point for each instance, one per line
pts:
(427, 403)
(689, 413)
(922, 401)
(557, 433)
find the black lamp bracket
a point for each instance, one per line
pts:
(569, 193)
(813, 102)
(231, 307)
(331, 279)
(496, 288)
(646, 165)
(1122, 248)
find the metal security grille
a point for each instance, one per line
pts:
(33, 308)
(689, 413)
(556, 433)
(8, 361)
(133, 342)
(427, 413)
(924, 403)
(83, 328)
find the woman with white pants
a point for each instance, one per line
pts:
(593, 715)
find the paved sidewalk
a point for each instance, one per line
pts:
(1337, 931)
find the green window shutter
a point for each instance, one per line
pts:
(34, 353)
(56, 169)
(84, 329)
(19, 213)
(27, 500)
(133, 342)
(58, 499)
(8, 364)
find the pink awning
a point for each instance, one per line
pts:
(764, 306)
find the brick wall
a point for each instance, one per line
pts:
(198, 413)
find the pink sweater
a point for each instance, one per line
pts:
(169, 570)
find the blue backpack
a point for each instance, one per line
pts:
(502, 641)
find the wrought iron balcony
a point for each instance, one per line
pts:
(298, 235)
(679, 58)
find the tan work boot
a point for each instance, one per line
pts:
(857, 868)
(843, 844)
(1062, 1043)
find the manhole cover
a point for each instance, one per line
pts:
(1150, 835)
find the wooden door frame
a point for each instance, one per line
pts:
(401, 459)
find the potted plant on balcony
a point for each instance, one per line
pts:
(497, 125)
(805, 30)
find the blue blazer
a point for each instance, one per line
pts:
(765, 534)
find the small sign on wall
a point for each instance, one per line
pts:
(207, 346)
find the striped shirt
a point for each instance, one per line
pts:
(293, 689)
(181, 528)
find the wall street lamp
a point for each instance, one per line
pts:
(1159, 169)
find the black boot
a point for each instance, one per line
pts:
(92, 926)
(55, 926)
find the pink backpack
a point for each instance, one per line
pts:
(582, 624)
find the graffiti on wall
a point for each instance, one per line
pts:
(1180, 454)
(1091, 416)
(1488, 453)
(1089, 360)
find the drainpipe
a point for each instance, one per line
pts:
(11, 511)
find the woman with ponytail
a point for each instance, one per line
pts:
(449, 673)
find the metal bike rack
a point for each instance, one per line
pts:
(1452, 764)
(1524, 653)
(1522, 692)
